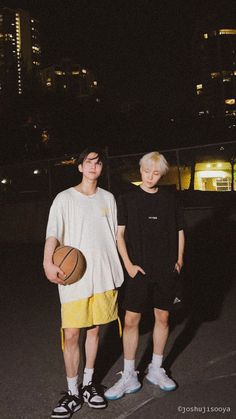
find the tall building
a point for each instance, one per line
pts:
(68, 77)
(19, 49)
(214, 67)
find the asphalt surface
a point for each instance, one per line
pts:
(200, 354)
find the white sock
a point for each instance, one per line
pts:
(73, 384)
(157, 360)
(129, 365)
(88, 375)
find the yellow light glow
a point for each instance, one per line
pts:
(219, 164)
(95, 83)
(208, 165)
(205, 35)
(227, 31)
(215, 75)
(199, 86)
(75, 73)
(212, 173)
(84, 71)
(230, 101)
(66, 162)
(136, 183)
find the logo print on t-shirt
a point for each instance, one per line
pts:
(104, 211)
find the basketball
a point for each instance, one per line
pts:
(71, 261)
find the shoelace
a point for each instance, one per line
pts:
(66, 398)
(95, 390)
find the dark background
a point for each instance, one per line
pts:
(140, 49)
(141, 54)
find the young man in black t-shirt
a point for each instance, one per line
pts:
(151, 244)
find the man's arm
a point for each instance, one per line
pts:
(129, 266)
(180, 261)
(51, 270)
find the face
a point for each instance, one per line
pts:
(150, 174)
(91, 167)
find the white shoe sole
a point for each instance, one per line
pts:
(134, 390)
(161, 387)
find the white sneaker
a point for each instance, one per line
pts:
(159, 377)
(128, 383)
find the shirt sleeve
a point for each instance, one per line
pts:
(179, 212)
(55, 226)
(114, 214)
(121, 211)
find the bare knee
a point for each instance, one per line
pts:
(132, 320)
(161, 318)
(71, 336)
(93, 333)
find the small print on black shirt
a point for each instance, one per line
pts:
(152, 222)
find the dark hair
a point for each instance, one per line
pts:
(84, 154)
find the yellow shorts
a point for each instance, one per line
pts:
(98, 309)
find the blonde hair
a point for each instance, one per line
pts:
(155, 157)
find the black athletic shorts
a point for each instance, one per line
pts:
(141, 294)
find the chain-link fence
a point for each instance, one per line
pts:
(201, 168)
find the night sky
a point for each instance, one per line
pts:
(138, 49)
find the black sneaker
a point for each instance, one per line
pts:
(67, 405)
(93, 395)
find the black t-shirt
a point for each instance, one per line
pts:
(152, 223)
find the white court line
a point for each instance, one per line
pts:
(139, 406)
(218, 377)
(129, 412)
(220, 358)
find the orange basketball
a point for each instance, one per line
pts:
(71, 261)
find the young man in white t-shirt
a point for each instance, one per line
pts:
(84, 217)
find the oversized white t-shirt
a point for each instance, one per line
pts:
(88, 222)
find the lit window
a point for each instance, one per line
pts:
(199, 86)
(230, 101)
(227, 73)
(227, 31)
(49, 81)
(205, 35)
(59, 72)
(75, 73)
(226, 79)
(215, 75)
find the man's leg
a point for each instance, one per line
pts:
(131, 334)
(71, 351)
(91, 348)
(156, 374)
(92, 393)
(160, 331)
(71, 402)
(128, 383)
